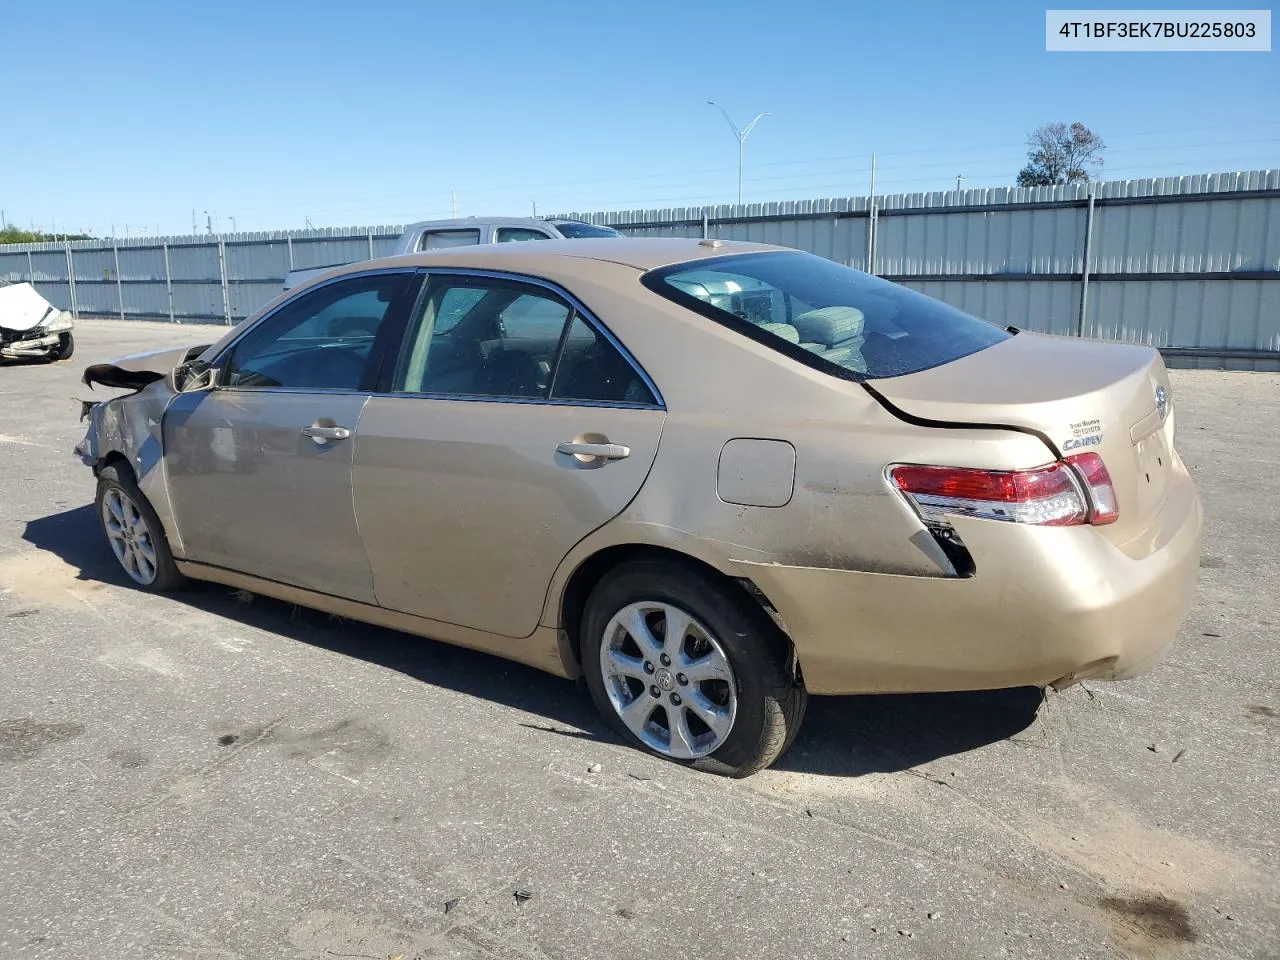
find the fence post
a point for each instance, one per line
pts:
(871, 221)
(71, 280)
(31, 270)
(115, 249)
(370, 244)
(1084, 265)
(704, 225)
(289, 242)
(871, 237)
(222, 274)
(168, 280)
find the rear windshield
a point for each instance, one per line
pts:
(580, 231)
(830, 316)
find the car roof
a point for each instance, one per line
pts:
(462, 223)
(642, 253)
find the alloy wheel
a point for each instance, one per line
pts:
(668, 679)
(130, 537)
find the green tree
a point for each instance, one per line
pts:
(1058, 153)
(14, 235)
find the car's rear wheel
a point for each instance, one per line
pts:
(134, 532)
(685, 665)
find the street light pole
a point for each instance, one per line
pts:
(741, 136)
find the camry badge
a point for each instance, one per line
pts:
(1162, 401)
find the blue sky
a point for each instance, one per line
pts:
(371, 113)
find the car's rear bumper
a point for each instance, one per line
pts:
(1045, 606)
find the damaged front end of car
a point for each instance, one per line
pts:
(126, 429)
(31, 327)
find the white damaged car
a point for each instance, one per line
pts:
(30, 326)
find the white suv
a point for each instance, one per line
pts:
(470, 231)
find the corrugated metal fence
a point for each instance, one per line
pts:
(1189, 264)
(196, 279)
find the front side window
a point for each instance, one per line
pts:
(518, 234)
(322, 340)
(443, 239)
(483, 337)
(857, 325)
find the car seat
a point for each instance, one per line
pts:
(834, 333)
(509, 373)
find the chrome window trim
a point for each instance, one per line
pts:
(336, 391)
(220, 359)
(483, 398)
(579, 309)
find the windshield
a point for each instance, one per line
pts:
(578, 231)
(827, 315)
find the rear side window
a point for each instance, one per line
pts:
(591, 369)
(581, 231)
(838, 319)
(483, 337)
(442, 239)
(519, 234)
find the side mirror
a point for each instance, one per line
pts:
(194, 375)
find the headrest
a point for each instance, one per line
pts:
(830, 325)
(784, 330)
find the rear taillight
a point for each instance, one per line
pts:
(1101, 491)
(1051, 496)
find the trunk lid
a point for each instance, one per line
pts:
(1083, 396)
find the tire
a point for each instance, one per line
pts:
(65, 348)
(139, 543)
(762, 703)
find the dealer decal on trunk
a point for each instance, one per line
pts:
(1084, 433)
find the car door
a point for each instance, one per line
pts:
(511, 427)
(259, 466)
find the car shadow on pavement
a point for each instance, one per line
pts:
(75, 536)
(840, 736)
(884, 733)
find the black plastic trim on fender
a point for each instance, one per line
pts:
(958, 424)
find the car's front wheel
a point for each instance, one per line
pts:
(134, 531)
(66, 346)
(686, 665)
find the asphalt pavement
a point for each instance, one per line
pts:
(218, 775)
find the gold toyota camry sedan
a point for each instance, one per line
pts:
(710, 477)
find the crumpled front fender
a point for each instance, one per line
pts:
(129, 427)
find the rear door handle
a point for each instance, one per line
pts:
(323, 434)
(605, 451)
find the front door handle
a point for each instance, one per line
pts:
(604, 451)
(322, 434)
